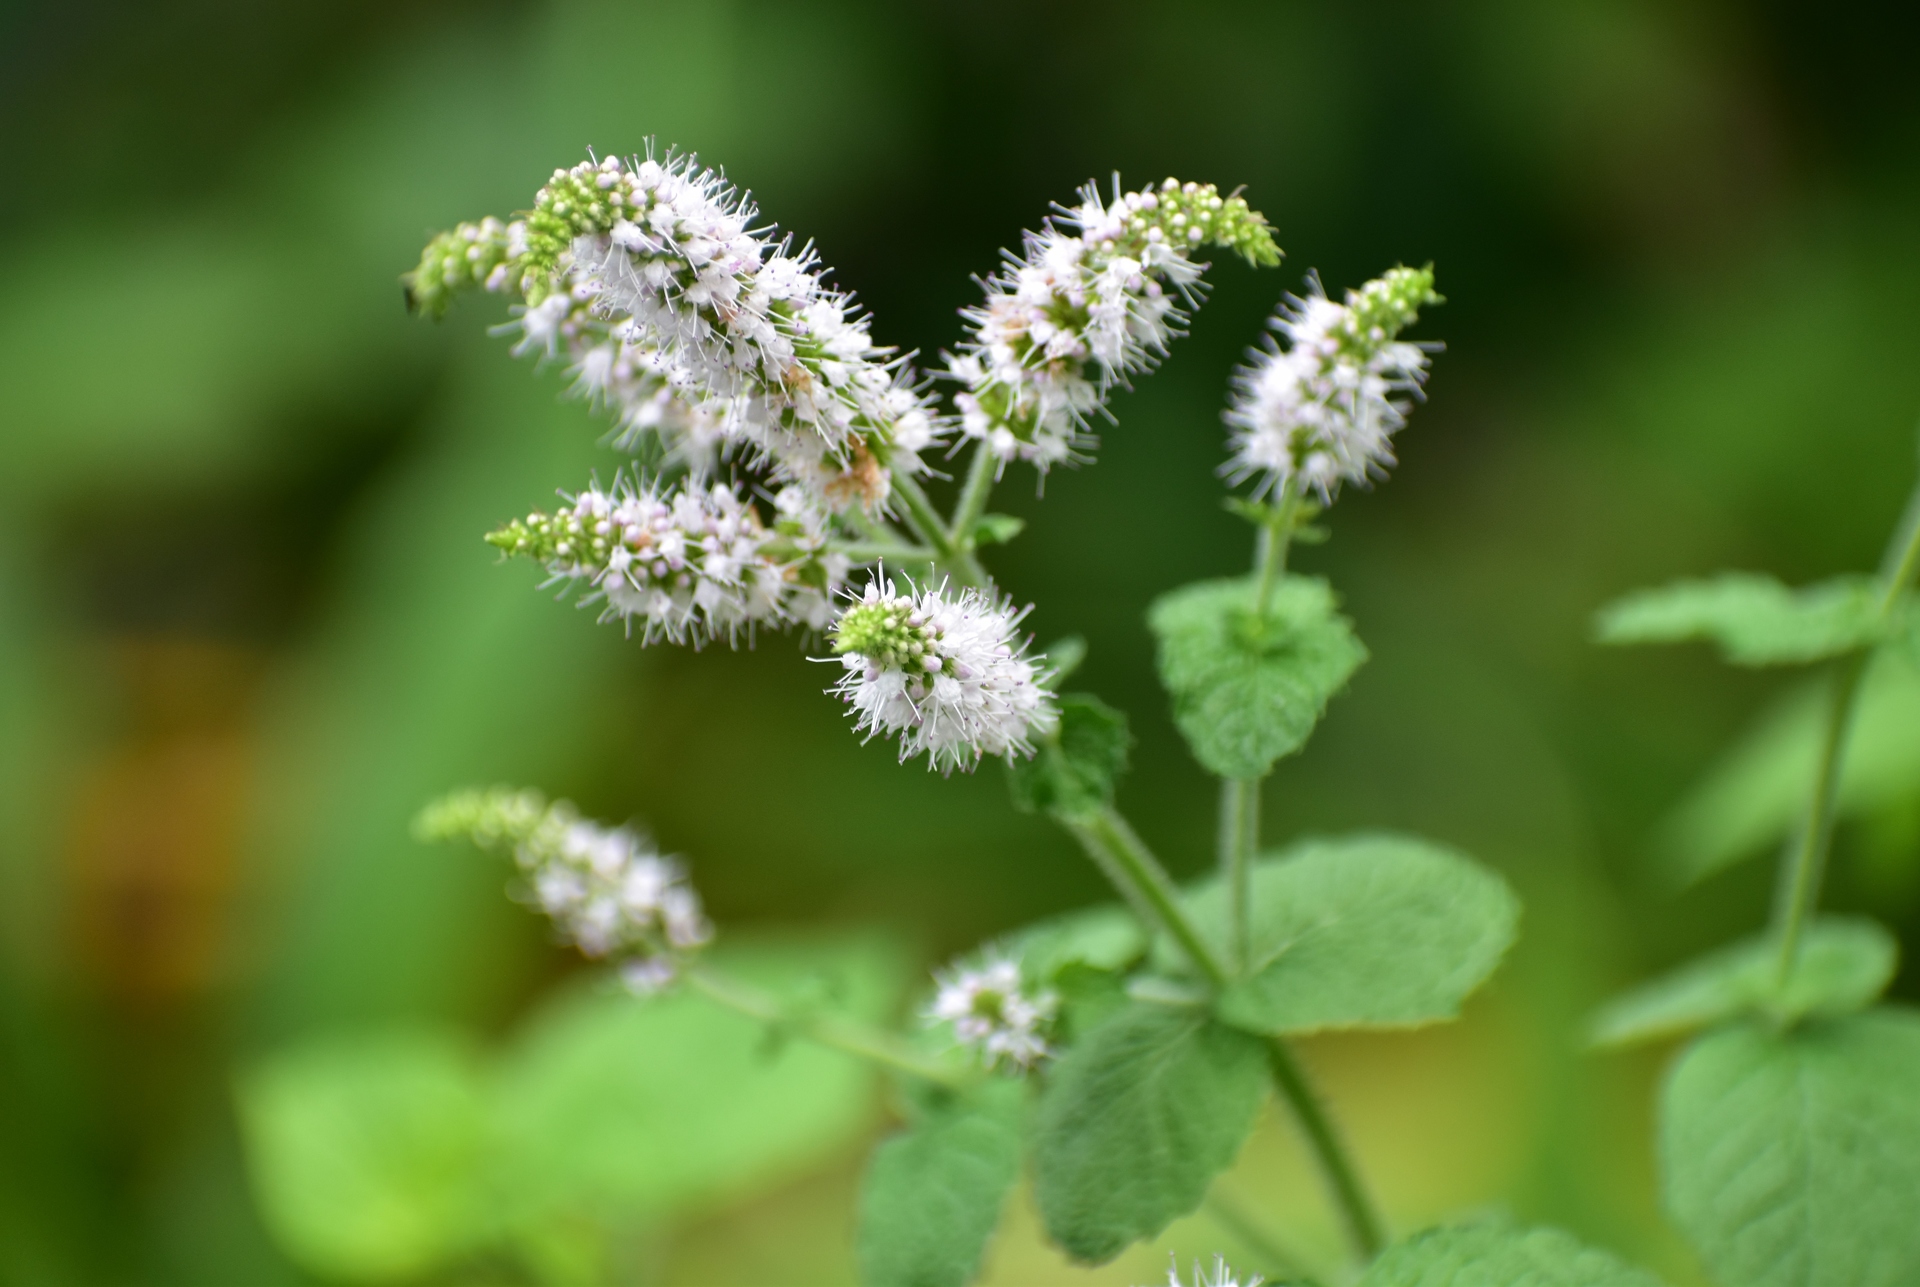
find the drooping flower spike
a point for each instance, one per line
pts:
(1095, 297)
(994, 1013)
(1323, 410)
(944, 672)
(608, 891)
(689, 565)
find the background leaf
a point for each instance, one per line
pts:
(1844, 964)
(1249, 690)
(1135, 1122)
(1499, 1256)
(1793, 1159)
(1363, 931)
(1107, 937)
(366, 1152)
(1756, 620)
(933, 1192)
(1073, 772)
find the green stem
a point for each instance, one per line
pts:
(927, 525)
(1239, 837)
(973, 495)
(1362, 1224)
(1270, 553)
(1278, 1261)
(1126, 861)
(892, 551)
(848, 1036)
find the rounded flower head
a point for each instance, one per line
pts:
(1323, 410)
(994, 1013)
(944, 672)
(1222, 1276)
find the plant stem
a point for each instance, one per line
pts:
(927, 525)
(1239, 837)
(1243, 1228)
(1363, 1227)
(1126, 861)
(1270, 551)
(849, 1036)
(973, 495)
(896, 551)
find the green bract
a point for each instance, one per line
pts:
(1756, 620)
(1073, 771)
(1500, 1256)
(1792, 1159)
(1248, 687)
(1843, 964)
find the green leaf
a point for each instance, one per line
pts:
(1757, 794)
(671, 1102)
(365, 1152)
(1062, 657)
(1756, 620)
(1499, 1256)
(1792, 1159)
(1107, 937)
(1844, 964)
(997, 529)
(1073, 772)
(1135, 1122)
(1362, 931)
(933, 1192)
(1248, 689)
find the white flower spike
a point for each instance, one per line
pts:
(942, 671)
(1221, 1276)
(995, 1014)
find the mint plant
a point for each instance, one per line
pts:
(1117, 1056)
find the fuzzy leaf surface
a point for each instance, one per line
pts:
(1755, 620)
(1500, 1256)
(1072, 773)
(1248, 689)
(933, 1192)
(1844, 964)
(1362, 931)
(1793, 1159)
(1136, 1120)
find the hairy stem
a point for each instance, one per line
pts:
(1362, 1224)
(1126, 861)
(1239, 837)
(973, 495)
(849, 1036)
(927, 525)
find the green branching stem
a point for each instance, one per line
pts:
(886, 551)
(1239, 838)
(973, 495)
(1126, 861)
(928, 526)
(836, 1032)
(1804, 865)
(1363, 1227)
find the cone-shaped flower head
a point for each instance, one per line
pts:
(1222, 1276)
(1322, 410)
(942, 671)
(994, 1013)
(691, 564)
(609, 893)
(1095, 297)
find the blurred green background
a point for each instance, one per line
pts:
(247, 624)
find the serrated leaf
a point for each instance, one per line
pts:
(1757, 794)
(1248, 689)
(1754, 619)
(933, 1192)
(1136, 1120)
(1072, 773)
(1500, 1256)
(1843, 964)
(1793, 1159)
(366, 1152)
(997, 529)
(1362, 931)
(672, 1102)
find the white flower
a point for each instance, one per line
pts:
(992, 1011)
(1221, 1276)
(1323, 410)
(942, 671)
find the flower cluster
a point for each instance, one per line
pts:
(942, 671)
(693, 564)
(994, 1012)
(1222, 1276)
(1096, 297)
(690, 323)
(1323, 410)
(607, 891)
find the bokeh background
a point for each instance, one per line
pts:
(247, 624)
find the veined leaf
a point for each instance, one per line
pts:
(1844, 964)
(1793, 1159)
(1136, 1120)
(933, 1192)
(1754, 619)
(1072, 773)
(1499, 1256)
(1249, 688)
(1362, 931)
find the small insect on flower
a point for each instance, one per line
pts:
(943, 671)
(995, 1013)
(1221, 1276)
(1323, 410)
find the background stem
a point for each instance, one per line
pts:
(1239, 837)
(1357, 1216)
(973, 496)
(1126, 861)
